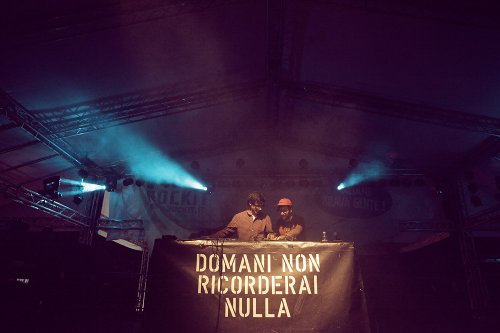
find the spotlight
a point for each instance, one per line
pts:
(128, 181)
(139, 182)
(77, 199)
(111, 184)
(210, 189)
(340, 187)
(52, 183)
(51, 187)
(89, 187)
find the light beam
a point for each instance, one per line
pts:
(363, 173)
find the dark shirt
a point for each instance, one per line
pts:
(246, 227)
(293, 229)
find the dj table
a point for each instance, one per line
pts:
(270, 286)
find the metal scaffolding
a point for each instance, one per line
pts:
(103, 113)
(24, 119)
(361, 101)
(37, 201)
(142, 285)
(476, 288)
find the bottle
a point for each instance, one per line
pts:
(324, 239)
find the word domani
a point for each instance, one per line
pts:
(256, 263)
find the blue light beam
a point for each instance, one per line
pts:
(144, 160)
(81, 186)
(155, 167)
(362, 173)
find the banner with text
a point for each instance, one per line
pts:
(253, 287)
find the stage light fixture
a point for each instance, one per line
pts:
(128, 181)
(77, 199)
(89, 187)
(209, 189)
(51, 187)
(139, 182)
(111, 183)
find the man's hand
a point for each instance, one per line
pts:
(271, 236)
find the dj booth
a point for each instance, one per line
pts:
(269, 286)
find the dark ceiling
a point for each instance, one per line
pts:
(87, 83)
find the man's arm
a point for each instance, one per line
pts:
(223, 233)
(269, 225)
(228, 230)
(293, 233)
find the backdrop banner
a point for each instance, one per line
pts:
(230, 286)
(367, 214)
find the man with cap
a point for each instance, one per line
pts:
(251, 224)
(290, 226)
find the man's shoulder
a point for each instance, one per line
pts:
(245, 214)
(241, 214)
